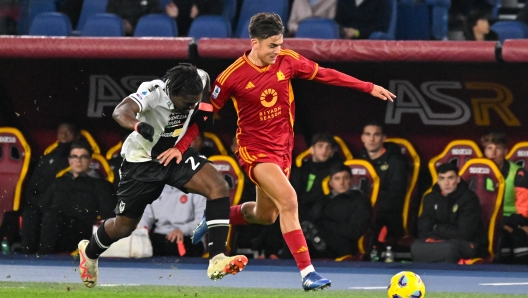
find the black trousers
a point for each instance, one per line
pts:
(61, 233)
(163, 247)
(446, 251)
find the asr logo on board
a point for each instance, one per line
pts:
(434, 102)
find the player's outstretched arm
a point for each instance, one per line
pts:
(382, 93)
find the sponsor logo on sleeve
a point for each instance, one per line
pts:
(216, 91)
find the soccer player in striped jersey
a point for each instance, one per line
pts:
(259, 84)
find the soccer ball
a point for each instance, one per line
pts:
(406, 284)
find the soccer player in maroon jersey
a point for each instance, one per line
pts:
(259, 84)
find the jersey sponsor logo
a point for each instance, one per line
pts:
(269, 114)
(522, 153)
(249, 85)
(280, 76)
(7, 139)
(268, 98)
(461, 151)
(479, 170)
(216, 91)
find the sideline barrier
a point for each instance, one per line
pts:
(88, 47)
(515, 50)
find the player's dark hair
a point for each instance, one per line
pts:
(81, 144)
(338, 168)
(447, 167)
(497, 138)
(265, 24)
(183, 80)
(375, 123)
(324, 137)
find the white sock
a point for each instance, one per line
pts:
(307, 270)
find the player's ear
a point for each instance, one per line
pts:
(254, 44)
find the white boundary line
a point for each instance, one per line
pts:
(367, 288)
(505, 284)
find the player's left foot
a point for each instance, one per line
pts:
(200, 231)
(221, 265)
(87, 268)
(314, 281)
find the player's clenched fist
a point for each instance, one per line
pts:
(145, 130)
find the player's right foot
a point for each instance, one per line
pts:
(87, 267)
(200, 231)
(314, 281)
(221, 265)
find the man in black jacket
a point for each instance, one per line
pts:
(450, 227)
(73, 203)
(391, 167)
(340, 219)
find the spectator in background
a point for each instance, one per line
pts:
(132, 10)
(515, 216)
(43, 176)
(340, 219)
(185, 11)
(304, 9)
(359, 18)
(171, 219)
(73, 203)
(478, 28)
(450, 227)
(308, 178)
(72, 8)
(391, 167)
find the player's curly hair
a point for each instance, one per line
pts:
(264, 25)
(183, 80)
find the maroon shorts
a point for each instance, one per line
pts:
(249, 158)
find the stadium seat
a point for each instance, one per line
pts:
(15, 155)
(364, 178)
(519, 154)
(234, 176)
(86, 135)
(413, 22)
(156, 25)
(510, 30)
(229, 11)
(210, 26)
(318, 28)
(457, 152)
(344, 152)
(412, 202)
(390, 34)
(213, 141)
(90, 8)
(115, 151)
(51, 24)
(439, 18)
(485, 179)
(37, 7)
(103, 24)
(98, 164)
(251, 7)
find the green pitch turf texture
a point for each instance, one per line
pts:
(22, 289)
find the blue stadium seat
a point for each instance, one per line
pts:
(156, 25)
(439, 18)
(251, 7)
(391, 32)
(413, 21)
(243, 33)
(210, 26)
(510, 30)
(30, 9)
(103, 24)
(318, 28)
(230, 10)
(90, 8)
(51, 24)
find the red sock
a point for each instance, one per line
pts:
(236, 217)
(298, 248)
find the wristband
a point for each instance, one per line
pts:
(136, 125)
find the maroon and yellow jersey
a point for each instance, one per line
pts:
(263, 97)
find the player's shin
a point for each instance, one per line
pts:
(299, 249)
(99, 243)
(217, 214)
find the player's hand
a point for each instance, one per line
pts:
(382, 93)
(145, 130)
(175, 235)
(168, 155)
